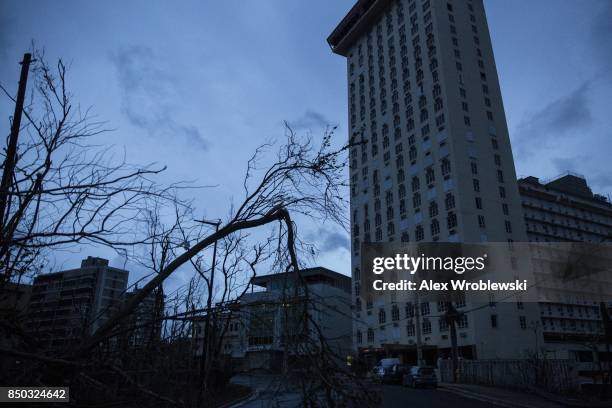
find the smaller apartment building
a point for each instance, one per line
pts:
(65, 306)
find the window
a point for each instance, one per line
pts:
(409, 310)
(412, 153)
(449, 201)
(395, 315)
(430, 176)
(463, 322)
(445, 167)
(481, 221)
(502, 192)
(443, 324)
(476, 184)
(523, 322)
(419, 234)
(382, 316)
(359, 337)
(426, 326)
(433, 209)
(451, 220)
(415, 183)
(500, 176)
(435, 227)
(410, 330)
(370, 336)
(474, 168)
(494, 321)
(478, 201)
(508, 227)
(466, 120)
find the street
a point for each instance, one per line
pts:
(273, 391)
(395, 396)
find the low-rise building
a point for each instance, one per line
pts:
(273, 324)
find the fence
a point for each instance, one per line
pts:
(556, 376)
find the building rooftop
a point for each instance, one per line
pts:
(568, 183)
(87, 266)
(361, 15)
(310, 275)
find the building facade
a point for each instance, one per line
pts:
(430, 160)
(267, 326)
(144, 326)
(65, 306)
(566, 210)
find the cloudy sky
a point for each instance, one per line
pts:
(198, 85)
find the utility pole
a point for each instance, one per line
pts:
(417, 310)
(11, 149)
(205, 357)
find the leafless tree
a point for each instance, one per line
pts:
(66, 192)
(63, 189)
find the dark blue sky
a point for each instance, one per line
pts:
(197, 85)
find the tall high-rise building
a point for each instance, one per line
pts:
(435, 162)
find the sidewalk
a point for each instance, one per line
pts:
(268, 391)
(513, 399)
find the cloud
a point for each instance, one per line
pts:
(150, 96)
(6, 27)
(563, 164)
(567, 115)
(600, 181)
(601, 32)
(310, 120)
(327, 240)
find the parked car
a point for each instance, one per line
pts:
(378, 373)
(395, 374)
(382, 369)
(420, 376)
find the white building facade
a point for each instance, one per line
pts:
(266, 328)
(432, 162)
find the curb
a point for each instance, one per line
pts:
(483, 398)
(571, 404)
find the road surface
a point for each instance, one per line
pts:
(395, 396)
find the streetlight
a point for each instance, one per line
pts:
(205, 342)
